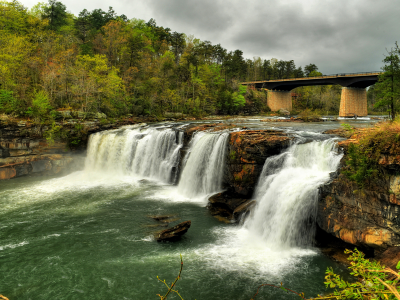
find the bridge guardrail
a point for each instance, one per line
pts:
(317, 77)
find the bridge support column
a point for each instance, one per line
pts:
(353, 102)
(279, 99)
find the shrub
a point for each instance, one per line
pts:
(41, 108)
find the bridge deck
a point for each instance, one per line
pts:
(343, 75)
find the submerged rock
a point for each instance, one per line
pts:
(173, 233)
(165, 218)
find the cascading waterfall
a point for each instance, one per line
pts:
(204, 165)
(146, 152)
(287, 194)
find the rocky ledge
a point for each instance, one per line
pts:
(246, 155)
(367, 216)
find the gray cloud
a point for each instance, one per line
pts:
(336, 35)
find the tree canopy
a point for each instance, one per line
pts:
(100, 61)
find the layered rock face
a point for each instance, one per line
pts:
(367, 217)
(247, 152)
(24, 152)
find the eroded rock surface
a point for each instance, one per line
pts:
(228, 206)
(173, 233)
(247, 152)
(368, 216)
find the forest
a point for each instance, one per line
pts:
(100, 61)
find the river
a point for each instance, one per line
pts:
(88, 235)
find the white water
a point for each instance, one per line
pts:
(287, 194)
(204, 165)
(258, 250)
(148, 152)
(277, 235)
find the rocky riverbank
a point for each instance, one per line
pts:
(366, 214)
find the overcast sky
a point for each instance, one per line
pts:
(336, 35)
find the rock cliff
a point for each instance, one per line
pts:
(367, 216)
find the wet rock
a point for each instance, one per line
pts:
(363, 217)
(4, 152)
(46, 164)
(165, 218)
(173, 233)
(145, 181)
(41, 165)
(157, 225)
(100, 116)
(243, 209)
(229, 206)
(284, 112)
(161, 217)
(247, 152)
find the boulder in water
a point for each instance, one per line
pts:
(173, 233)
(284, 112)
(224, 205)
(243, 209)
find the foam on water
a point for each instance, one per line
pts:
(144, 152)
(204, 165)
(287, 194)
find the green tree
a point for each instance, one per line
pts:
(56, 13)
(308, 69)
(388, 86)
(40, 109)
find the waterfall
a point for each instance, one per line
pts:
(204, 165)
(145, 152)
(287, 194)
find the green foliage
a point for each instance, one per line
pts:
(99, 61)
(373, 280)
(56, 13)
(53, 133)
(309, 115)
(40, 109)
(360, 166)
(73, 137)
(348, 128)
(258, 99)
(8, 104)
(388, 86)
(232, 155)
(363, 156)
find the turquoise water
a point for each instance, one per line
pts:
(88, 236)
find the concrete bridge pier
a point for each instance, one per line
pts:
(279, 99)
(353, 102)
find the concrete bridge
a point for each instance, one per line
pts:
(354, 94)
